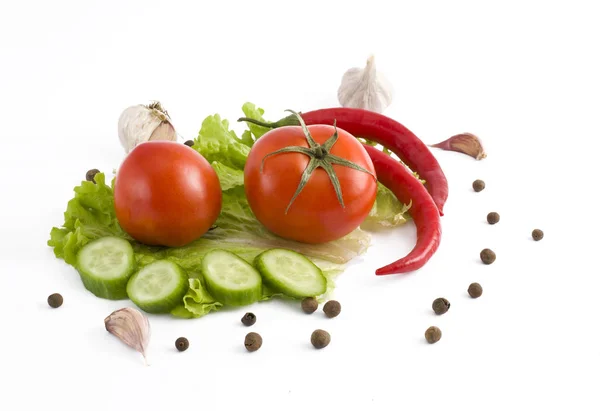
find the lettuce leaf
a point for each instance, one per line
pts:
(216, 142)
(197, 302)
(90, 215)
(256, 113)
(228, 177)
(387, 210)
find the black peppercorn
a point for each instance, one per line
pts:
(89, 176)
(309, 305)
(332, 308)
(478, 185)
(189, 143)
(182, 344)
(433, 334)
(493, 217)
(487, 256)
(475, 290)
(537, 234)
(320, 339)
(440, 306)
(55, 300)
(253, 341)
(248, 319)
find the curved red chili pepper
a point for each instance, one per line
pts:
(387, 132)
(423, 211)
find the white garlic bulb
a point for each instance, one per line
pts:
(365, 88)
(141, 123)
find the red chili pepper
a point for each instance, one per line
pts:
(423, 210)
(385, 131)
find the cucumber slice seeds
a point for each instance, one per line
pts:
(230, 279)
(105, 266)
(158, 287)
(291, 273)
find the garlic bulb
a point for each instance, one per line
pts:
(141, 123)
(131, 327)
(365, 88)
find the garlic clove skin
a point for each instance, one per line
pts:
(131, 327)
(465, 143)
(164, 131)
(365, 88)
(140, 123)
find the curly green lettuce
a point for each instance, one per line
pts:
(89, 215)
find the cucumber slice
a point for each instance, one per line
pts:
(158, 287)
(105, 265)
(291, 273)
(230, 279)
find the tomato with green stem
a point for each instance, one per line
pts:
(310, 184)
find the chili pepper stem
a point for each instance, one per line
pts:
(290, 120)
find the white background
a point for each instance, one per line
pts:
(524, 76)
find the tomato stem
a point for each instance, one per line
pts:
(320, 152)
(319, 155)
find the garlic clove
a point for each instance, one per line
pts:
(465, 143)
(163, 132)
(365, 88)
(140, 123)
(131, 327)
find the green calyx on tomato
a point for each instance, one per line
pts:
(319, 188)
(320, 156)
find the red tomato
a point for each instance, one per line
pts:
(166, 194)
(316, 215)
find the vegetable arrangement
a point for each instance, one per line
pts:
(134, 238)
(228, 220)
